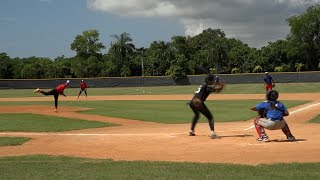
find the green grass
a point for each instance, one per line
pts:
(159, 90)
(49, 167)
(12, 141)
(42, 123)
(315, 119)
(177, 112)
(165, 111)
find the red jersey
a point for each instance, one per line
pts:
(83, 85)
(60, 88)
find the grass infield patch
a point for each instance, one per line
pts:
(57, 167)
(12, 141)
(42, 123)
(315, 119)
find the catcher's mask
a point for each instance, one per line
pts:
(272, 95)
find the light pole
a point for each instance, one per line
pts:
(142, 67)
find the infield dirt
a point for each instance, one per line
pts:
(148, 141)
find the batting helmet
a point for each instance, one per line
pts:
(272, 95)
(210, 77)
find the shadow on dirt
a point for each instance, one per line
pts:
(236, 135)
(284, 140)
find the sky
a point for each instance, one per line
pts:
(46, 28)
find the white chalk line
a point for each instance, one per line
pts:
(88, 134)
(298, 110)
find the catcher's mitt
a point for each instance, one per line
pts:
(196, 102)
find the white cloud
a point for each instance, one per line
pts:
(255, 22)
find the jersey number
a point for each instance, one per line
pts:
(199, 88)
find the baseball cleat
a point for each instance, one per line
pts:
(264, 138)
(55, 110)
(214, 135)
(191, 133)
(291, 138)
(37, 90)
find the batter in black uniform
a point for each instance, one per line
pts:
(197, 103)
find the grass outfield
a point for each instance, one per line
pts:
(160, 90)
(165, 111)
(42, 123)
(315, 119)
(12, 141)
(50, 167)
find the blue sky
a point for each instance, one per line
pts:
(46, 28)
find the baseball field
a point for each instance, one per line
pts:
(142, 133)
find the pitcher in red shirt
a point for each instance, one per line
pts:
(55, 92)
(83, 87)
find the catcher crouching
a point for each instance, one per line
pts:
(271, 113)
(198, 106)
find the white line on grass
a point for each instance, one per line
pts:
(298, 110)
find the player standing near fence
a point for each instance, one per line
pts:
(83, 87)
(268, 82)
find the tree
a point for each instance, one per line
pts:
(122, 48)
(160, 54)
(5, 66)
(299, 66)
(239, 55)
(123, 45)
(279, 69)
(93, 67)
(305, 36)
(178, 68)
(78, 67)
(235, 70)
(213, 70)
(87, 44)
(28, 72)
(274, 54)
(257, 69)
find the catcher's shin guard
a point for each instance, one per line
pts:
(260, 130)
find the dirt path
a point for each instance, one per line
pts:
(138, 140)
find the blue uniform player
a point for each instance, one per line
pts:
(268, 82)
(271, 113)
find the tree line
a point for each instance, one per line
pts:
(182, 56)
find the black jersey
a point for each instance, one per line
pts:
(203, 92)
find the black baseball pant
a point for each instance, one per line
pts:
(55, 95)
(203, 109)
(85, 91)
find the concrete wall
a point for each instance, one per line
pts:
(159, 81)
